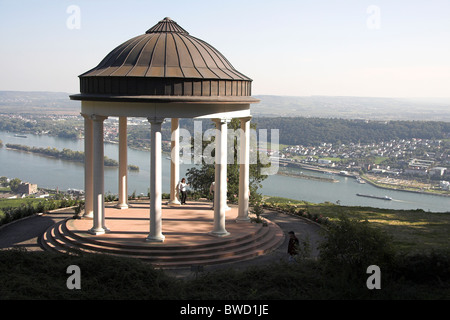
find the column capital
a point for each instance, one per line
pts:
(86, 116)
(245, 119)
(97, 117)
(156, 120)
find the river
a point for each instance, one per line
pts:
(55, 173)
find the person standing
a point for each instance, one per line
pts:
(211, 192)
(182, 186)
(292, 246)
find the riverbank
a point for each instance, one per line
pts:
(305, 176)
(65, 154)
(406, 185)
(398, 186)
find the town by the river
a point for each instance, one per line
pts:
(55, 173)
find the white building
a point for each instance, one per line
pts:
(440, 171)
(324, 161)
(444, 185)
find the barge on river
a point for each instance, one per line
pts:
(374, 197)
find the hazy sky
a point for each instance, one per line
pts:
(379, 48)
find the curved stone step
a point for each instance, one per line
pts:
(246, 241)
(90, 242)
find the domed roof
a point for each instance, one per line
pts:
(166, 60)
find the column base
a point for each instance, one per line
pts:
(97, 231)
(122, 206)
(89, 215)
(159, 238)
(219, 234)
(174, 203)
(242, 219)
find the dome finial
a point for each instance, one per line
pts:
(167, 25)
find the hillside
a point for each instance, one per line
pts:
(313, 131)
(33, 102)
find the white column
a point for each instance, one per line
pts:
(123, 164)
(99, 203)
(244, 170)
(220, 193)
(155, 182)
(175, 162)
(88, 168)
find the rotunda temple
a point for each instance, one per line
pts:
(163, 74)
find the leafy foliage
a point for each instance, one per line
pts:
(351, 246)
(42, 276)
(65, 154)
(28, 207)
(313, 131)
(63, 129)
(201, 178)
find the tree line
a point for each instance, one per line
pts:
(292, 130)
(313, 131)
(65, 154)
(64, 129)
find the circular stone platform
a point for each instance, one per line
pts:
(186, 230)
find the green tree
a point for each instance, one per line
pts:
(3, 180)
(201, 178)
(350, 246)
(14, 184)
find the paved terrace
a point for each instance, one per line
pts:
(184, 227)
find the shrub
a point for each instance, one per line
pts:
(424, 267)
(256, 206)
(350, 246)
(9, 214)
(3, 217)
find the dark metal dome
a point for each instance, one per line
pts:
(165, 61)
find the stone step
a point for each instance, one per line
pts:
(187, 237)
(226, 244)
(59, 238)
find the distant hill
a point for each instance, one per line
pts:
(37, 102)
(270, 106)
(367, 108)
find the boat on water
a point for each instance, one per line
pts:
(359, 180)
(20, 136)
(374, 197)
